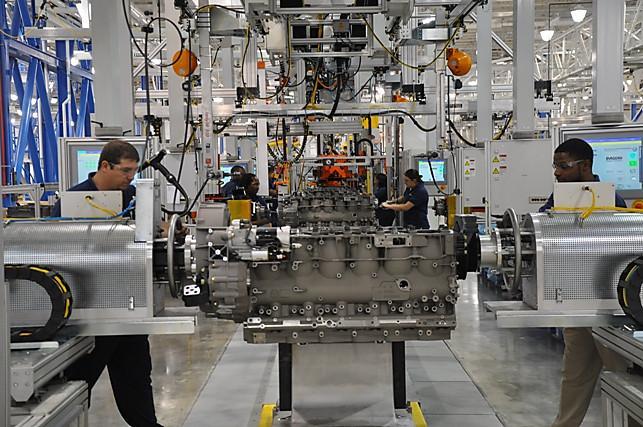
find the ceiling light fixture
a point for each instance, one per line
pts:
(547, 35)
(578, 14)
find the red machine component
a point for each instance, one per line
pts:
(331, 174)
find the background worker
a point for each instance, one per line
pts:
(414, 203)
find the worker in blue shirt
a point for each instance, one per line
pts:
(251, 184)
(127, 357)
(237, 173)
(414, 203)
(583, 358)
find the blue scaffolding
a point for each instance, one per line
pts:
(30, 154)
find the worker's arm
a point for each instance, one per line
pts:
(402, 207)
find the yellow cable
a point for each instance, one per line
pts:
(598, 208)
(103, 209)
(589, 210)
(397, 59)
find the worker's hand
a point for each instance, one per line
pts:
(386, 205)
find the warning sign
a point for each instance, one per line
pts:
(467, 163)
(495, 159)
(466, 172)
(496, 171)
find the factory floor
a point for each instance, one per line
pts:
(482, 377)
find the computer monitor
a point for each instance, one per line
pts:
(618, 153)
(618, 161)
(78, 157)
(439, 167)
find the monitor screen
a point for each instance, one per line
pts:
(86, 162)
(618, 160)
(81, 159)
(439, 170)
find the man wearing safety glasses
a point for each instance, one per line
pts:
(126, 357)
(584, 358)
(573, 161)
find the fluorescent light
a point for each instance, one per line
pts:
(628, 81)
(13, 121)
(33, 101)
(546, 35)
(585, 97)
(19, 112)
(14, 97)
(156, 61)
(54, 100)
(75, 61)
(34, 115)
(578, 14)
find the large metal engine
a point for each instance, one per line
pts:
(326, 284)
(328, 206)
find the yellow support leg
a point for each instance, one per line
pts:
(267, 414)
(416, 415)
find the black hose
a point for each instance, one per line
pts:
(459, 135)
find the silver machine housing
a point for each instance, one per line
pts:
(109, 272)
(563, 262)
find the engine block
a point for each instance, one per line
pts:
(327, 284)
(328, 207)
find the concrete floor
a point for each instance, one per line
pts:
(483, 376)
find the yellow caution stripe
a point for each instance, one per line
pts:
(267, 414)
(416, 415)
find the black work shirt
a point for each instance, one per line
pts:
(385, 217)
(88, 185)
(417, 215)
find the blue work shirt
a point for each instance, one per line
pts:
(417, 215)
(88, 185)
(385, 217)
(228, 188)
(619, 202)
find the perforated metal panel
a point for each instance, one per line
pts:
(583, 260)
(100, 261)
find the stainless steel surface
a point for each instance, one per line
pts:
(144, 210)
(103, 265)
(547, 319)
(517, 314)
(62, 405)
(622, 395)
(567, 264)
(622, 341)
(32, 369)
(581, 261)
(342, 385)
(145, 326)
(5, 340)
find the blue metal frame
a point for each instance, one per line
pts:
(16, 55)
